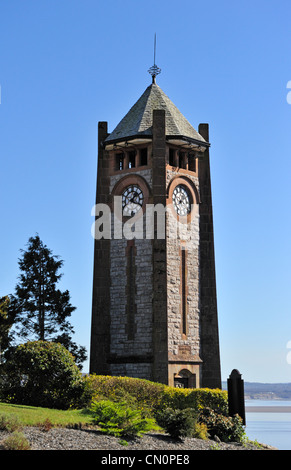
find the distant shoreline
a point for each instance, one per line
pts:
(268, 409)
(265, 391)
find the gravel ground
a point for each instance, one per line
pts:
(88, 439)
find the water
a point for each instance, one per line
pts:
(269, 428)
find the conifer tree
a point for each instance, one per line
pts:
(6, 322)
(40, 308)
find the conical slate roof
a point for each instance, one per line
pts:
(138, 121)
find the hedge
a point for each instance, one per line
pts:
(196, 398)
(155, 395)
(145, 393)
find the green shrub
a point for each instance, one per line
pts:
(197, 398)
(9, 423)
(200, 431)
(16, 441)
(118, 419)
(154, 396)
(145, 394)
(227, 428)
(177, 423)
(42, 373)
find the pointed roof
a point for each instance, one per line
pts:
(137, 123)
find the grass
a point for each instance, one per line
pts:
(32, 416)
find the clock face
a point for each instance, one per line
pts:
(132, 200)
(181, 200)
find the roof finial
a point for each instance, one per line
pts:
(154, 70)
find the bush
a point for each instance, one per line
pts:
(177, 423)
(200, 431)
(154, 396)
(16, 441)
(145, 394)
(46, 425)
(118, 419)
(9, 423)
(42, 373)
(227, 428)
(197, 398)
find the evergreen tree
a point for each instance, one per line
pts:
(41, 310)
(6, 322)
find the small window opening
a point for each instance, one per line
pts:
(191, 162)
(131, 159)
(172, 157)
(143, 156)
(182, 160)
(119, 161)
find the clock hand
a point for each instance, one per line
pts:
(134, 195)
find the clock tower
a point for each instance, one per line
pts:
(154, 312)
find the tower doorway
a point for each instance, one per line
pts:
(185, 379)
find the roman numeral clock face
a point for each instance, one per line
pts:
(132, 200)
(181, 200)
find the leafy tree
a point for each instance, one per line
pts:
(41, 310)
(42, 373)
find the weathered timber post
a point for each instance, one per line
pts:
(236, 400)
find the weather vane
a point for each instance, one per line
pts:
(154, 70)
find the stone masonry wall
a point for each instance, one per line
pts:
(128, 356)
(131, 356)
(183, 347)
(146, 174)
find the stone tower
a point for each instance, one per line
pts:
(154, 313)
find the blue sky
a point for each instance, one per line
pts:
(66, 65)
